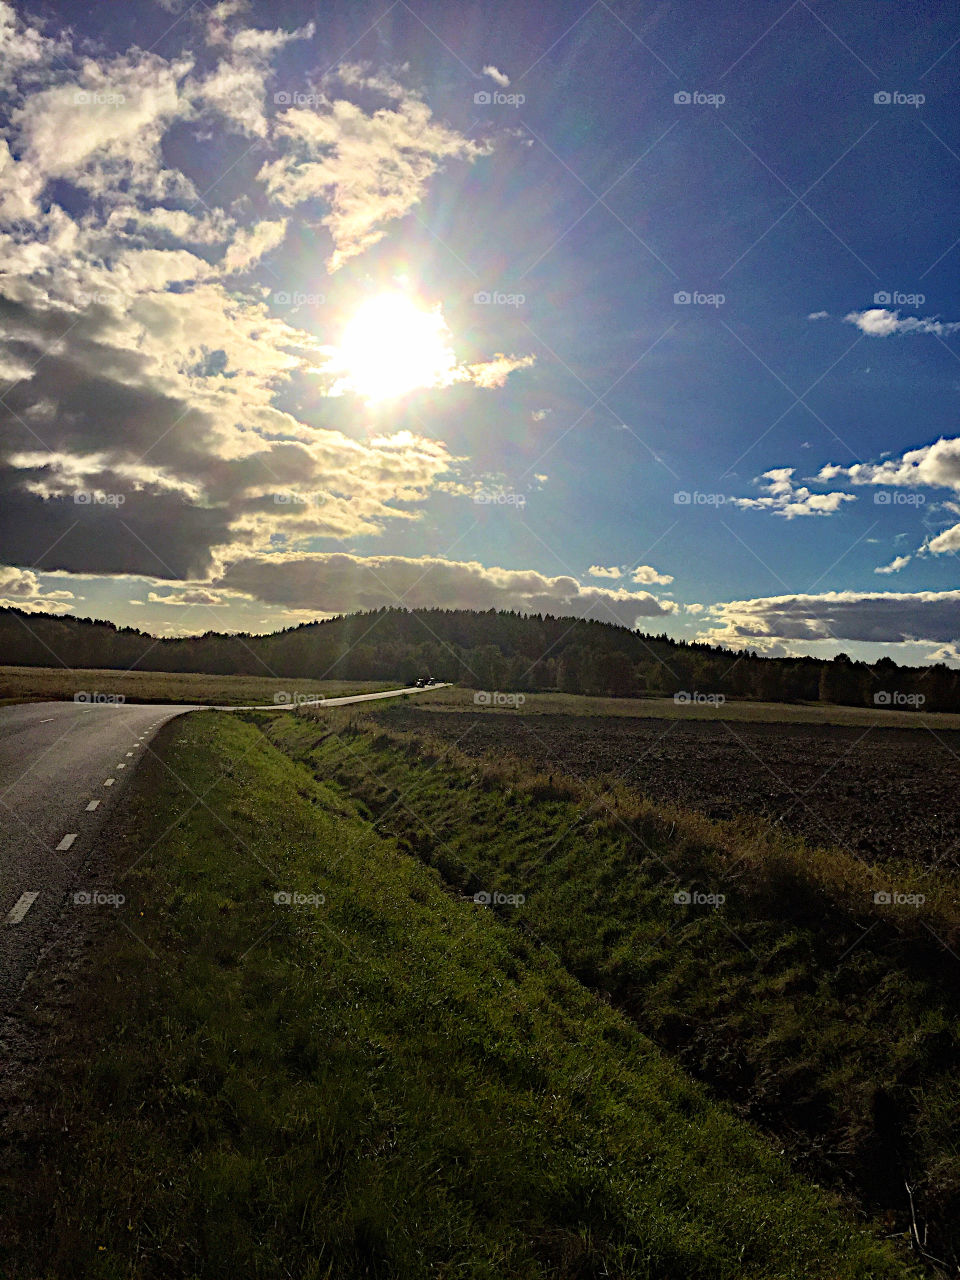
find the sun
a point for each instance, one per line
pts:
(393, 345)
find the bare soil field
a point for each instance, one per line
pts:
(879, 793)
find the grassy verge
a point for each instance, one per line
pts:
(390, 1082)
(575, 704)
(34, 684)
(831, 1020)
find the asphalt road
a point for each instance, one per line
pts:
(63, 767)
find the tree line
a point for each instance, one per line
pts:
(492, 650)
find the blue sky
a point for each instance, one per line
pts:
(642, 313)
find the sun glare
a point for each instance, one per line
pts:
(392, 345)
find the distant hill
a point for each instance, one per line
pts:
(485, 650)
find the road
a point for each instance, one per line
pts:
(64, 766)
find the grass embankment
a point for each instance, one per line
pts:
(831, 1020)
(576, 704)
(392, 1083)
(30, 684)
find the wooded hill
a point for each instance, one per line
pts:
(485, 650)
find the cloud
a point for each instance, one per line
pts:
(646, 574)
(370, 168)
(895, 565)
(499, 77)
(21, 589)
(818, 315)
(786, 499)
(339, 583)
(866, 617)
(250, 244)
(880, 323)
(598, 571)
(936, 465)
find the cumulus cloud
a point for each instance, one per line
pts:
(21, 589)
(600, 571)
(646, 574)
(935, 465)
(878, 322)
(882, 617)
(498, 77)
(370, 168)
(785, 498)
(337, 582)
(895, 565)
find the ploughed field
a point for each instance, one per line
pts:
(880, 793)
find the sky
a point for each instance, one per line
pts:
(647, 313)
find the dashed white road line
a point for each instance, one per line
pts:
(109, 782)
(92, 805)
(21, 907)
(129, 753)
(121, 765)
(66, 842)
(49, 720)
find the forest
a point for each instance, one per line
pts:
(483, 650)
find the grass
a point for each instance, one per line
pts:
(29, 684)
(829, 1019)
(393, 1083)
(460, 699)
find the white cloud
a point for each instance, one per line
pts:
(878, 322)
(648, 575)
(498, 77)
(599, 571)
(936, 465)
(818, 315)
(784, 498)
(895, 565)
(21, 589)
(336, 582)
